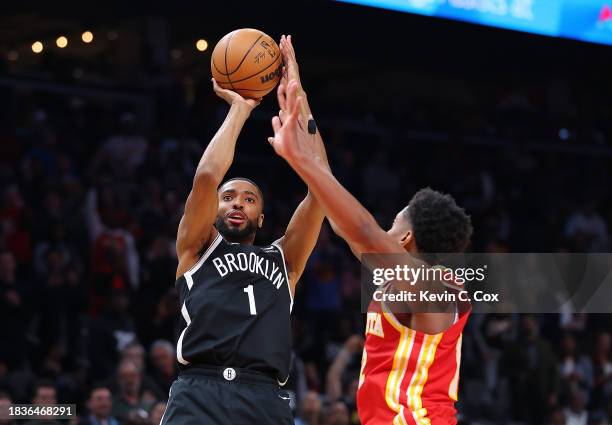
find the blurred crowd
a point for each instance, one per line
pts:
(90, 201)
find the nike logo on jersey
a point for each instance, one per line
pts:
(252, 263)
(285, 398)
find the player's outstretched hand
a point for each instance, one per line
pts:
(291, 141)
(233, 98)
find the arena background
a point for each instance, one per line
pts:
(99, 142)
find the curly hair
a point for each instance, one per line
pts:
(439, 225)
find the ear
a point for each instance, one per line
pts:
(407, 240)
(260, 221)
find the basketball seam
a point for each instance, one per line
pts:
(226, 70)
(243, 58)
(258, 72)
(217, 68)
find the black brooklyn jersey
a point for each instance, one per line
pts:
(235, 307)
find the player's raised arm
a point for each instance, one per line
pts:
(196, 229)
(304, 227)
(353, 222)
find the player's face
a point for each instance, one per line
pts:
(240, 207)
(401, 230)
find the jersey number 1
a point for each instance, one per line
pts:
(249, 291)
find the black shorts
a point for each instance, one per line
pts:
(216, 396)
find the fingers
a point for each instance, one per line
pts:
(271, 141)
(286, 46)
(276, 124)
(215, 85)
(281, 95)
(295, 114)
(291, 97)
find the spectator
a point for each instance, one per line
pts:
(531, 368)
(557, 417)
(576, 413)
(323, 276)
(124, 152)
(164, 363)
(5, 403)
(45, 394)
(110, 334)
(15, 224)
(157, 412)
(352, 349)
(587, 230)
(337, 414)
(310, 410)
(602, 369)
(100, 405)
(135, 353)
(163, 320)
(574, 371)
(115, 261)
(131, 399)
(13, 313)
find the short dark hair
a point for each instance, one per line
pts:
(439, 225)
(246, 180)
(97, 387)
(42, 383)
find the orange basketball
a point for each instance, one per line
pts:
(248, 62)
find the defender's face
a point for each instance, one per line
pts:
(400, 228)
(240, 206)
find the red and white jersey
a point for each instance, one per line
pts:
(408, 377)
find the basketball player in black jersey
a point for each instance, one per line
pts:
(234, 345)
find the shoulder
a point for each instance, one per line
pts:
(191, 260)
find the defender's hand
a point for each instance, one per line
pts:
(233, 98)
(292, 70)
(290, 141)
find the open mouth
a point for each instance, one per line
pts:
(236, 218)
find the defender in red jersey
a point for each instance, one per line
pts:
(410, 366)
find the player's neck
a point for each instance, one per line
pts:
(248, 240)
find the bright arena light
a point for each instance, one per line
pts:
(87, 37)
(61, 42)
(201, 45)
(37, 47)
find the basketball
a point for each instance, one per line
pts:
(248, 62)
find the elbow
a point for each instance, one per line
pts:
(206, 176)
